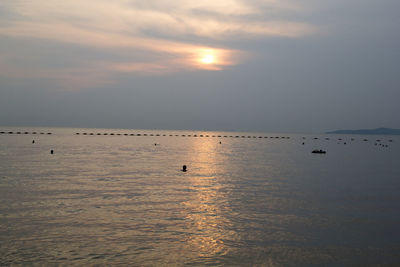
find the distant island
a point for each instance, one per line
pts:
(377, 131)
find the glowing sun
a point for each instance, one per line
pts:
(208, 59)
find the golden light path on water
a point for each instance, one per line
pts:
(206, 207)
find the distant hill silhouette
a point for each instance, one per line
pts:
(377, 131)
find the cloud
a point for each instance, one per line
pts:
(207, 18)
(163, 30)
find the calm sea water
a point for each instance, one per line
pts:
(122, 200)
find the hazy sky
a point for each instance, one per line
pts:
(261, 65)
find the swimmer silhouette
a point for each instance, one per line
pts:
(184, 168)
(33, 141)
(51, 151)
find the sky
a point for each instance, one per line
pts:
(226, 65)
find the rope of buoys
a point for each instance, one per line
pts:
(191, 135)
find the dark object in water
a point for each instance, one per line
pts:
(184, 168)
(320, 151)
(33, 141)
(52, 151)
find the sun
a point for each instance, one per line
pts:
(208, 59)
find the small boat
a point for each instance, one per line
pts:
(316, 151)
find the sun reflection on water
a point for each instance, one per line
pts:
(207, 207)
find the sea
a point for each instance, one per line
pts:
(119, 197)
